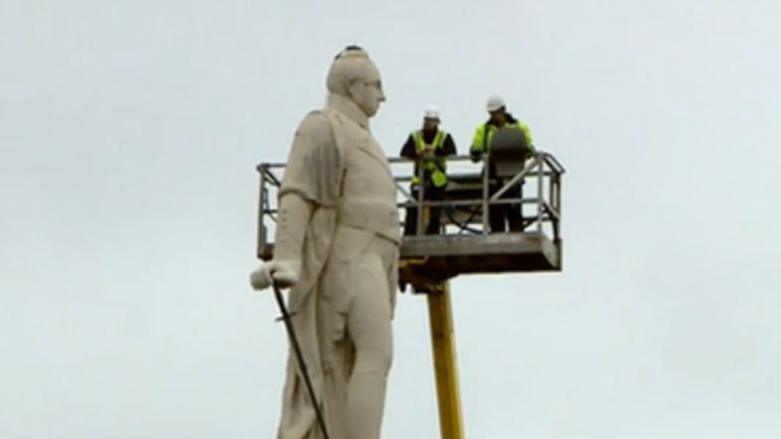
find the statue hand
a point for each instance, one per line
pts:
(284, 273)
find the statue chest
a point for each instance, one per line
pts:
(366, 174)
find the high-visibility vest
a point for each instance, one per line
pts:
(481, 142)
(435, 167)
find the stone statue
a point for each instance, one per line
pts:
(336, 247)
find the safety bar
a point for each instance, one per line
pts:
(541, 174)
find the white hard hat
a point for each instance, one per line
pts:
(431, 112)
(494, 103)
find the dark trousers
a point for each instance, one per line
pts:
(430, 193)
(509, 212)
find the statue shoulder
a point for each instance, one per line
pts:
(314, 123)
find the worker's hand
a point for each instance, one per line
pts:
(284, 273)
(422, 152)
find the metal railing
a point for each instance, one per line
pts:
(467, 212)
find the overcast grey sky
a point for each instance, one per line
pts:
(129, 132)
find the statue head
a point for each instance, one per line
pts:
(354, 76)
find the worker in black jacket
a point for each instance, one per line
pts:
(429, 147)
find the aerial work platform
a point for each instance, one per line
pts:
(465, 244)
(445, 257)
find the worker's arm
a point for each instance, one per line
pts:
(408, 150)
(476, 150)
(448, 147)
(527, 134)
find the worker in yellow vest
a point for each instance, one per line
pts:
(499, 117)
(429, 147)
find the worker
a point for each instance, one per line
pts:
(499, 117)
(429, 147)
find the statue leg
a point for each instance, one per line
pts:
(369, 328)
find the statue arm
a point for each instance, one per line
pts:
(311, 181)
(292, 222)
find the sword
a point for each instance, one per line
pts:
(300, 357)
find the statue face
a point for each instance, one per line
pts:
(367, 93)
